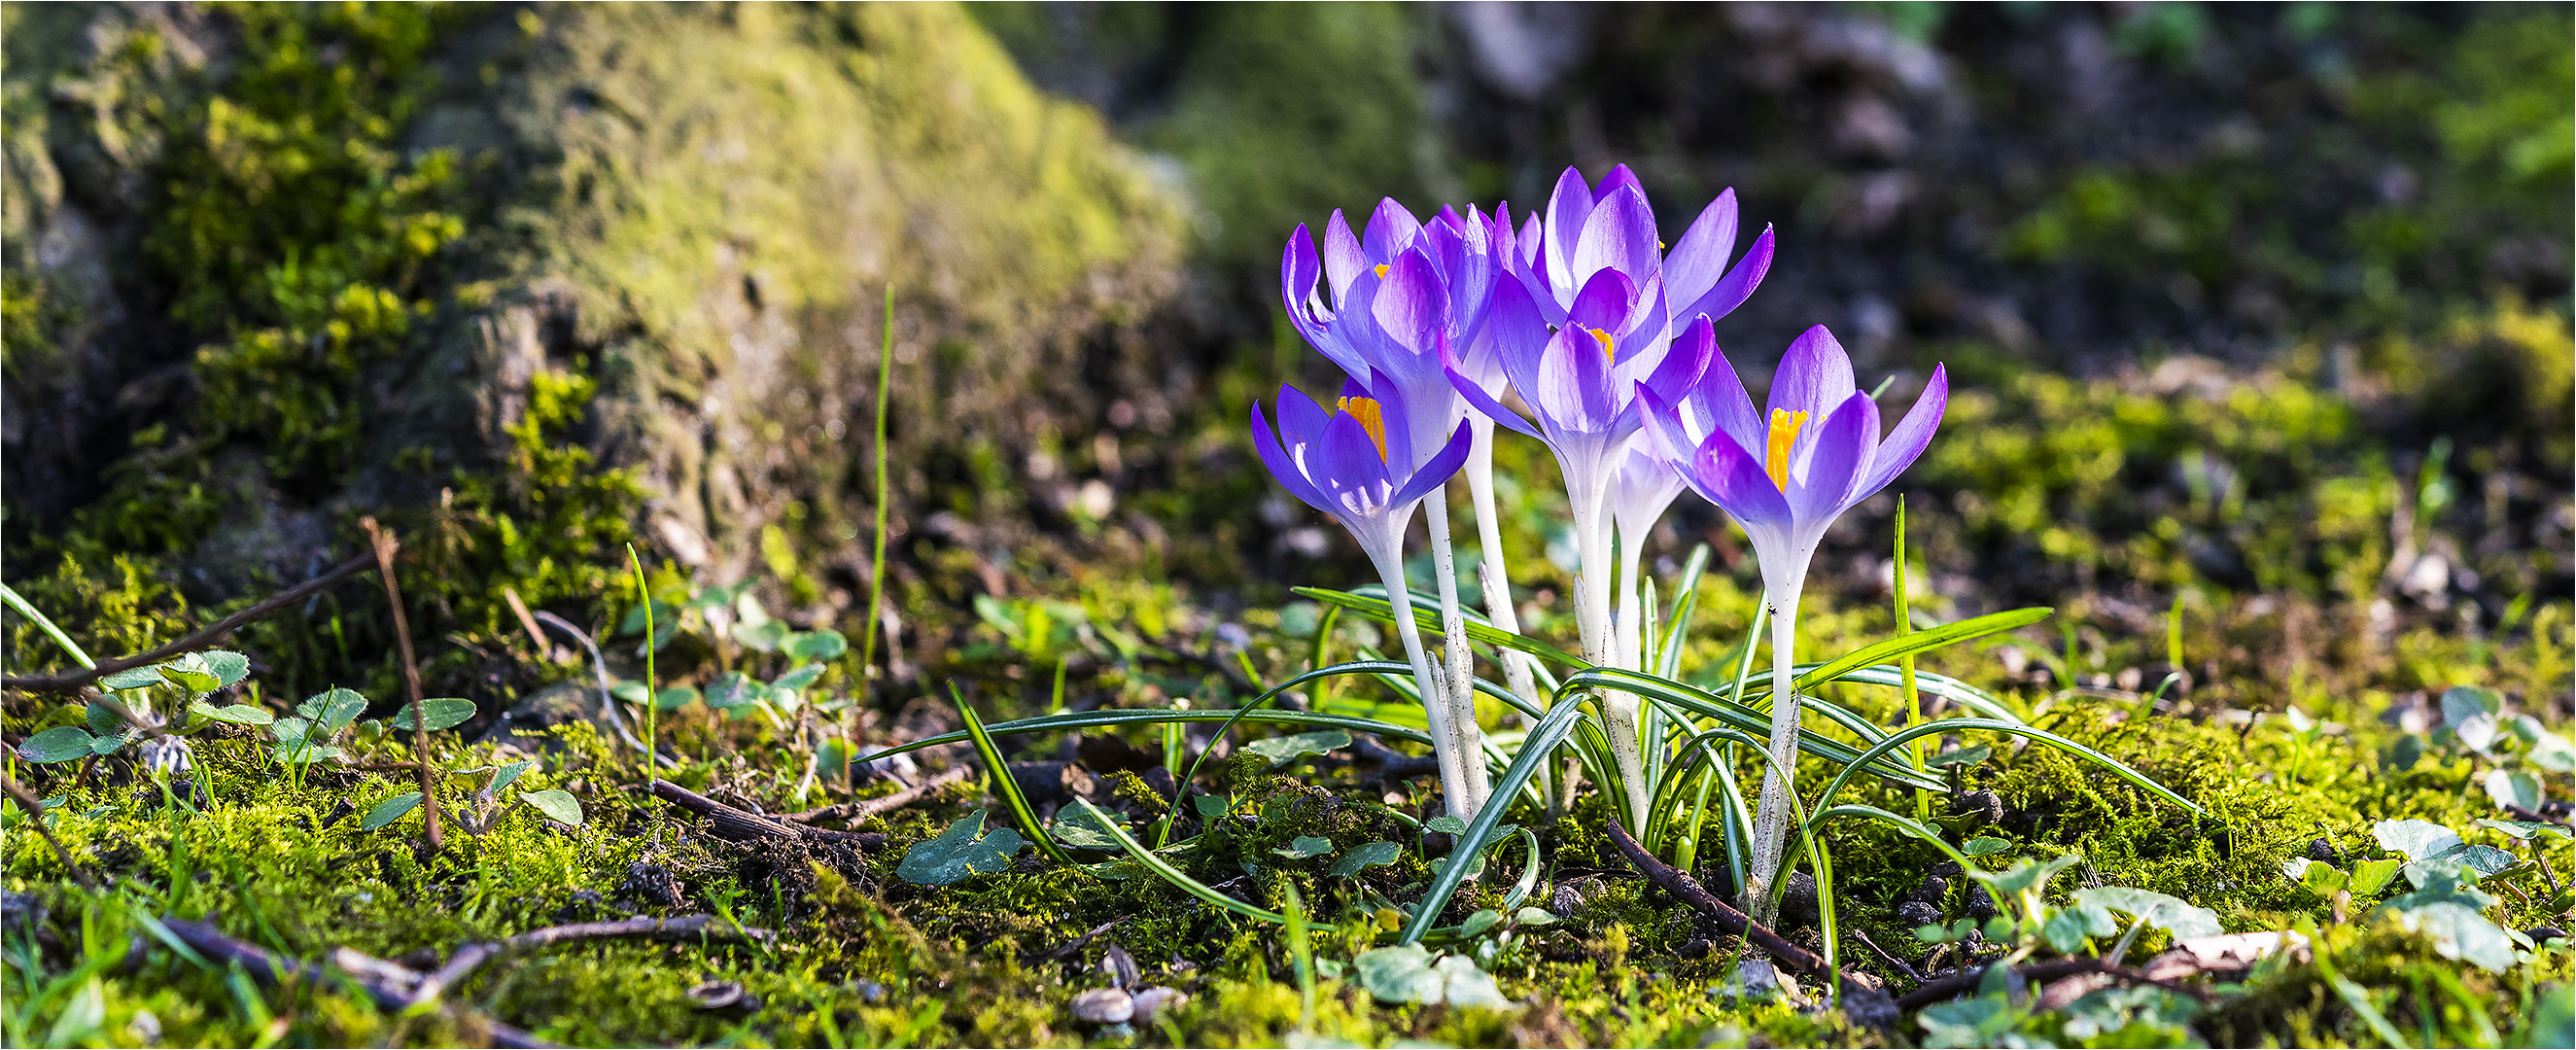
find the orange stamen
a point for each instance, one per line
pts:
(1784, 435)
(1609, 352)
(1372, 418)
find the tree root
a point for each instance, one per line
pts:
(739, 825)
(472, 956)
(1863, 1001)
(849, 812)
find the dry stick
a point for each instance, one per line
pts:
(386, 545)
(865, 808)
(471, 956)
(1679, 883)
(528, 623)
(64, 683)
(273, 970)
(607, 702)
(36, 816)
(1899, 965)
(734, 824)
(1965, 980)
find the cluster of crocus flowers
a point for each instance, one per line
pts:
(1609, 341)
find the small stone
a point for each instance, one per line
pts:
(1979, 906)
(1153, 1002)
(1933, 889)
(1759, 980)
(1918, 914)
(1948, 869)
(723, 995)
(2323, 852)
(1798, 905)
(1984, 803)
(652, 884)
(1694, 948)
(1120, 967)
(144, 1028)
(2539, 934)
(872, 992)
(1104, 1006)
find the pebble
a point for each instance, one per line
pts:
(2323, 852)
(1152, 1002)
(1918, 914)
(1104, 1006)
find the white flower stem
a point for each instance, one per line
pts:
(1427, 678)
(1494, 576)
(1464, 735)
(1779, 778)
(1619, 709)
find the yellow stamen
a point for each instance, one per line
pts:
(1372, 419)
(1381, 271)
(1608, 351)
(1784, 435)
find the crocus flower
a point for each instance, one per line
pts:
(1784, 475)
(1589, 229)
(1355, 464)
(1401, 296)
(1643, 486)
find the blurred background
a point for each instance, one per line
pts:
(2257, 314)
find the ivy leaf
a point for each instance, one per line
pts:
(1212, 806)
(962, 850)
(2470, 714)
(2523, 829)
(2170, 914)
(1281, 750)
(445, 712)
(2370, 876)
(509, 774)
(104, 721)
(1081, 830)
(190, 671)
(236, 714)
(59, 744)
(2320, 878)
(824, 644)
(229, 667)
(673, 698)
(1306, 847)
(132, 678)
(2458, 931)
(798, 678)
(1983, 845)
(734, 689)
(1446, 823)
(558, 805)
(2511, 788)
(332, 709)
(1364, 856)
(763, 637)
(1966, 756)
(1410, 974)
(389, 810)
(2417, 839)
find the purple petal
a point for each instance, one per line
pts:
(1391, 229)
(1687, 361)
(1519, 333)
(1730, 477)
(1721, 402)
(1282, 466)
(1301, 422)
(1604, 303)
(1531, 244)
(1439, 469)
(1899, 448)
(1700, 259)
(1838, 456)
(1666, 427)
(1351, 467)
(1814, 376)
(1395, 415)
(1343, 258)
(1573, 388)
(1412, 303)
(1738, 284)
(1618, 178)
(1566, 211)
(1619, 234)
(1298, 273)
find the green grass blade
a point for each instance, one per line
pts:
(1003, 781)
(1920, 641)
(46, 624)
(1170, 874)
(1668, 659)
(1692, 698)
(1538, 749)
(1952, 725)
(1428, 618)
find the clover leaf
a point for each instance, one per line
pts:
(962, 850)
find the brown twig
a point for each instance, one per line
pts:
(847, 812)
(1899, 965)
(472, 956)
(68, 682)
(607, 702)
(272, 970)
(734, 824)
(386, 546)
(1966, 979)
(36, 816)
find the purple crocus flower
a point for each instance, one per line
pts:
(1641, 488)
(1356, 464)
(1396, 295)
(1784, 476)
(1590, 229)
